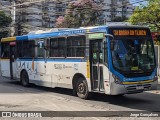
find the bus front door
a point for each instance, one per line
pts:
(96, 63)
(12, 51)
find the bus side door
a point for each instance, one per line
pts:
(12, 57)
(99, 65)
(96, 61)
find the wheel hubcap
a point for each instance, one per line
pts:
(81, 88)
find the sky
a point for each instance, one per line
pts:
(138, 4)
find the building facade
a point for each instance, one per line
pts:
(117, 10)
(3, 4)
(43, 15)
(124, 8)
(39, 15)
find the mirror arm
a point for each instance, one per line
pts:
(109, 35)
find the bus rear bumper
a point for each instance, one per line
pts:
(117, 89)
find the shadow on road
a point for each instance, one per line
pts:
(141, 101)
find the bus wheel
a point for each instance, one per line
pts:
(24, 79)
(82, 88)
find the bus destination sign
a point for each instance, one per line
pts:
(95, 36)
(130, 32)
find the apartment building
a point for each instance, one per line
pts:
(38, 15)
(43, 15)
(3, 4)
(27, 16)
(106, 10)
(115, 9)
(122, 8)
(52, 10)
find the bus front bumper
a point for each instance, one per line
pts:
(117, 89)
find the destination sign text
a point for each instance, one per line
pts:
(130, 32)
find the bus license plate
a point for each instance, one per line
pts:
(140, 87)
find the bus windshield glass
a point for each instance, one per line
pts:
(133, 55)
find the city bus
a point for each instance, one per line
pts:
(110, 59)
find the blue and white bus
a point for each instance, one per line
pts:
(114, 60)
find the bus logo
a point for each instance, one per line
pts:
(6, 114)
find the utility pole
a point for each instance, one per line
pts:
(122, 9)
(12, 10)
(124, 6)
(113, 9)
(18, 17)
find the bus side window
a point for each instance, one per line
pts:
(29, 49)
(5, 50)
(57, 47)
(76, 46)
(26, 49)
(19, 49)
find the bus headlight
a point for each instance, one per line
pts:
(116, 79)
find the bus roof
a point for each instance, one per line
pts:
(58, 32)
(67, 32)
(24, 37)
(8, 39)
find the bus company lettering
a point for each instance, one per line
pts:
(75, 66)
(61, 66)
(58, 66)
(130, 32)
(64, 66)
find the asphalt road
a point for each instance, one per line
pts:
(14, 97)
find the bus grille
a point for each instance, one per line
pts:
(132, 89)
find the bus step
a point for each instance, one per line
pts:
(97, 91)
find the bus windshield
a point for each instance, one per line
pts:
(133, 55)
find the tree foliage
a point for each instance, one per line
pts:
(4, 20)
(80, 13)
(149, 14)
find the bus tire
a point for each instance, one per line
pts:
(82, 89)
(24, 79)
(74, 93)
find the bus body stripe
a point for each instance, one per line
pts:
(139, 82)
(4, 59)
(8, 39)
(53, 60)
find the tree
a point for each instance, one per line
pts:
(149, 14)
(5, 21)
(80, 13)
